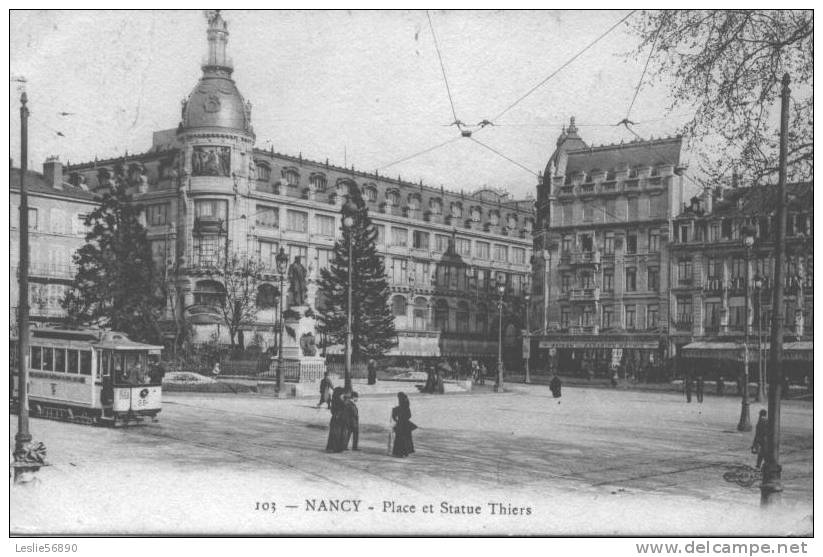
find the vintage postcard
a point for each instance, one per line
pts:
(411, 273)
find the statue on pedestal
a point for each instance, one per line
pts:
(297, 283)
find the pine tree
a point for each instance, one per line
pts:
(373, 332)
(116, 281)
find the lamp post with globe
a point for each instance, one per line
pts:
(348, 223)
(282, 262)
(501, 290)
(745, 423)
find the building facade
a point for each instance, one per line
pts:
(713, 270)
(209, 192)
(604, 221)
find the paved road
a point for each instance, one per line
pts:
(598, 462)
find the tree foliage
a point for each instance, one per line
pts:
(116, 281)
(240, 276)
(372, 321)
(727, 65)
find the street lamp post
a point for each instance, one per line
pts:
(527, 298)
(282, 262)
(745, 423)
(501, 289)
(348, 223)
(761, 387)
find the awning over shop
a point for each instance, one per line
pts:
(794, 351)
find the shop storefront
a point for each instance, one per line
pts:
(633, 357)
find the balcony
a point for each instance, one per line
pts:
(584, 330)
(209, 225)
(684, 323)
(584, 295)
(713, 285)
(584, 258)
(566, 190)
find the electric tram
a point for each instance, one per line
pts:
(90, 376)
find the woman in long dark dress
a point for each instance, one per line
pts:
(401, 416)
(338, 426)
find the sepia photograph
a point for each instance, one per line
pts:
(442, 273)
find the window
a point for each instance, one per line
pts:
(738, 269)
(267, 252)
(456, 210)
(381, 234)
(684, 272)
(586, 280)
(631, 279)
(653, 279)
(631, 242)
(441, 315)
(36, 357)
(215, 208)
(48, 359)
(33, 225)
(324, 258)
(608, 243)
(420, 239)
(266, 296)
(588, 212)
(519, 256)
(566, 244)
(398, 306)
(684, 309)
(564, 318)
(292, 177)
(399, 236)
(157, 215)
(683, 236)
(711, 316)
(529, 225)
(475, 214)
(631, 317)
(267, 217)
(654, 241)
(501, 253)
(209, 293)
(608, 281)
(494, 218)
(324, 225)
(295, 250)
(464, 246)
(297, 221)
(436, 206)
(420, 314)
(587, 316)
(608, 317)
(651, 317)
(371, 193)
(208, 249)
(565, 283)
(60, 360)
(441, 243)
(462, 317)
(657, 206)
(714, 232)
(263, 172)
(568, 214)
(72, 361)
(634, 208)
(586, 242)
(482, 250)
(482, 319)
(392, 197)
(512, 221)
(737, 317)
(317, 182)
(399, 271)
(611, 210)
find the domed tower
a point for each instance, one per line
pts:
(217, 167)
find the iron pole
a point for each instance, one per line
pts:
(745, 423)
(347, 370)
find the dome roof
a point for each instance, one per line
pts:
(216, 102)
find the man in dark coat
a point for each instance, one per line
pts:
(759, 443)
(700, 387)
(372, 371)
(555, 386)
(352, 419)
(689, 384)
(326, 387)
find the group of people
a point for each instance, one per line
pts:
(344, 425)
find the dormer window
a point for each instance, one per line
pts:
(475, 214)
(317, 183)
(370, 193)
(512, 221)
(436, 206)
(494, 218)
(457, 210)
(392, 197)
(263, 172)
(291, 176)
(414, 202)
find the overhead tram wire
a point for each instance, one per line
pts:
(625, 122)
(457, 121)
(419, 153)
(568, 62)
(499, 154)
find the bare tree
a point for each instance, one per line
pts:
(240, 276)
(727, 65)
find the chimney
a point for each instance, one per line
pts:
(53, 172)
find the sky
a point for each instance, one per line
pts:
(363, 88)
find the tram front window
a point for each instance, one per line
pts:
(130, 368)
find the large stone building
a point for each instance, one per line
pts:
(601, 262)
(711, 265)
(209, 191)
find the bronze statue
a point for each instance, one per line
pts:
(297, 283)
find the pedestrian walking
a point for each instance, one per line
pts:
(338, 425)
(372, 371)
(700, 387)
(759, 443)
(554, 386)
(721, 385)
(352, 419)
(403, 427)
(326, 389)
(216, 369)
(689, 385)
(439, 389)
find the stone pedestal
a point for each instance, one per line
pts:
(303, 365)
